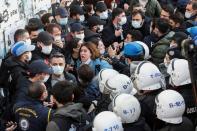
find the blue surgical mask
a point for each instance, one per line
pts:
(63, 21)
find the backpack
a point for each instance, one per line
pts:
(64, 123)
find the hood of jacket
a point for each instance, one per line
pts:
(72, 110)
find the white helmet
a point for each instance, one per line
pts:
(120, 84)
(103, 76)
(170, 106)
(107, 121)
(148, 77)
(127, 107)
(179, 72)
(146, 49)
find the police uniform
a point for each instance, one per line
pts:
(31, 115)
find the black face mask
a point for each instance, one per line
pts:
(34, 40)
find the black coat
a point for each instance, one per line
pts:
(139, 125)
(108, 35)
(186, 125)
(148, 106)
(191, 109)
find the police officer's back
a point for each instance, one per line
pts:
(30, 114)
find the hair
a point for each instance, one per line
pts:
(70, 46)
(85, 73)
(177, 17)
(95, 41)
(116, 12)
(136, 35)
(56, 55)
(136, 12)
(168, 8)
(45, 18)
(19, 33)
(162, 25)
(93, 50)
(133, 3)
(62, 91)
(36, 90)
(51, 26)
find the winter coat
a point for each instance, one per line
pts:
(160, 48)
(73, 111)
(31, 115)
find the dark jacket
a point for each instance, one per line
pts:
(16, 69)
(147, 103)
(31, 115)
(22, 88)
(73, 111)
(139, 125)
(187, 93)
(108, 35)
(160, 48)
(186, 125)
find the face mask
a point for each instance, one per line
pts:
(92, 12)
(104, 15)
(188, 14)
(46, 78)
(29, 57)
(100, 28)
(57, 38)
(28, 41)
(47, 49)
(113, 5)
(123, 21)
(58, 70)
(80, 36)
(136, 24)
(82, 18)
(63, 21)
(102, 51)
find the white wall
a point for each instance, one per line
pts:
(15, 15)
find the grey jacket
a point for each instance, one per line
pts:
(71, 110)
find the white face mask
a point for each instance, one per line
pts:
(100, 28)
(188, 14)
(29, 57)
(63, 21)
(28, 41)
(46, 78)
(58, 70)
(136, 24)
(80, 36)
(104, 15)
(57, 38)
(47, 49)
(82, 18)
(123, 20)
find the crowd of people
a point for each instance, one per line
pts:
(102, 65)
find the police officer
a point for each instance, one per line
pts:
(180, 81)
(30, 113)
(148, 80)
(170, 110)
